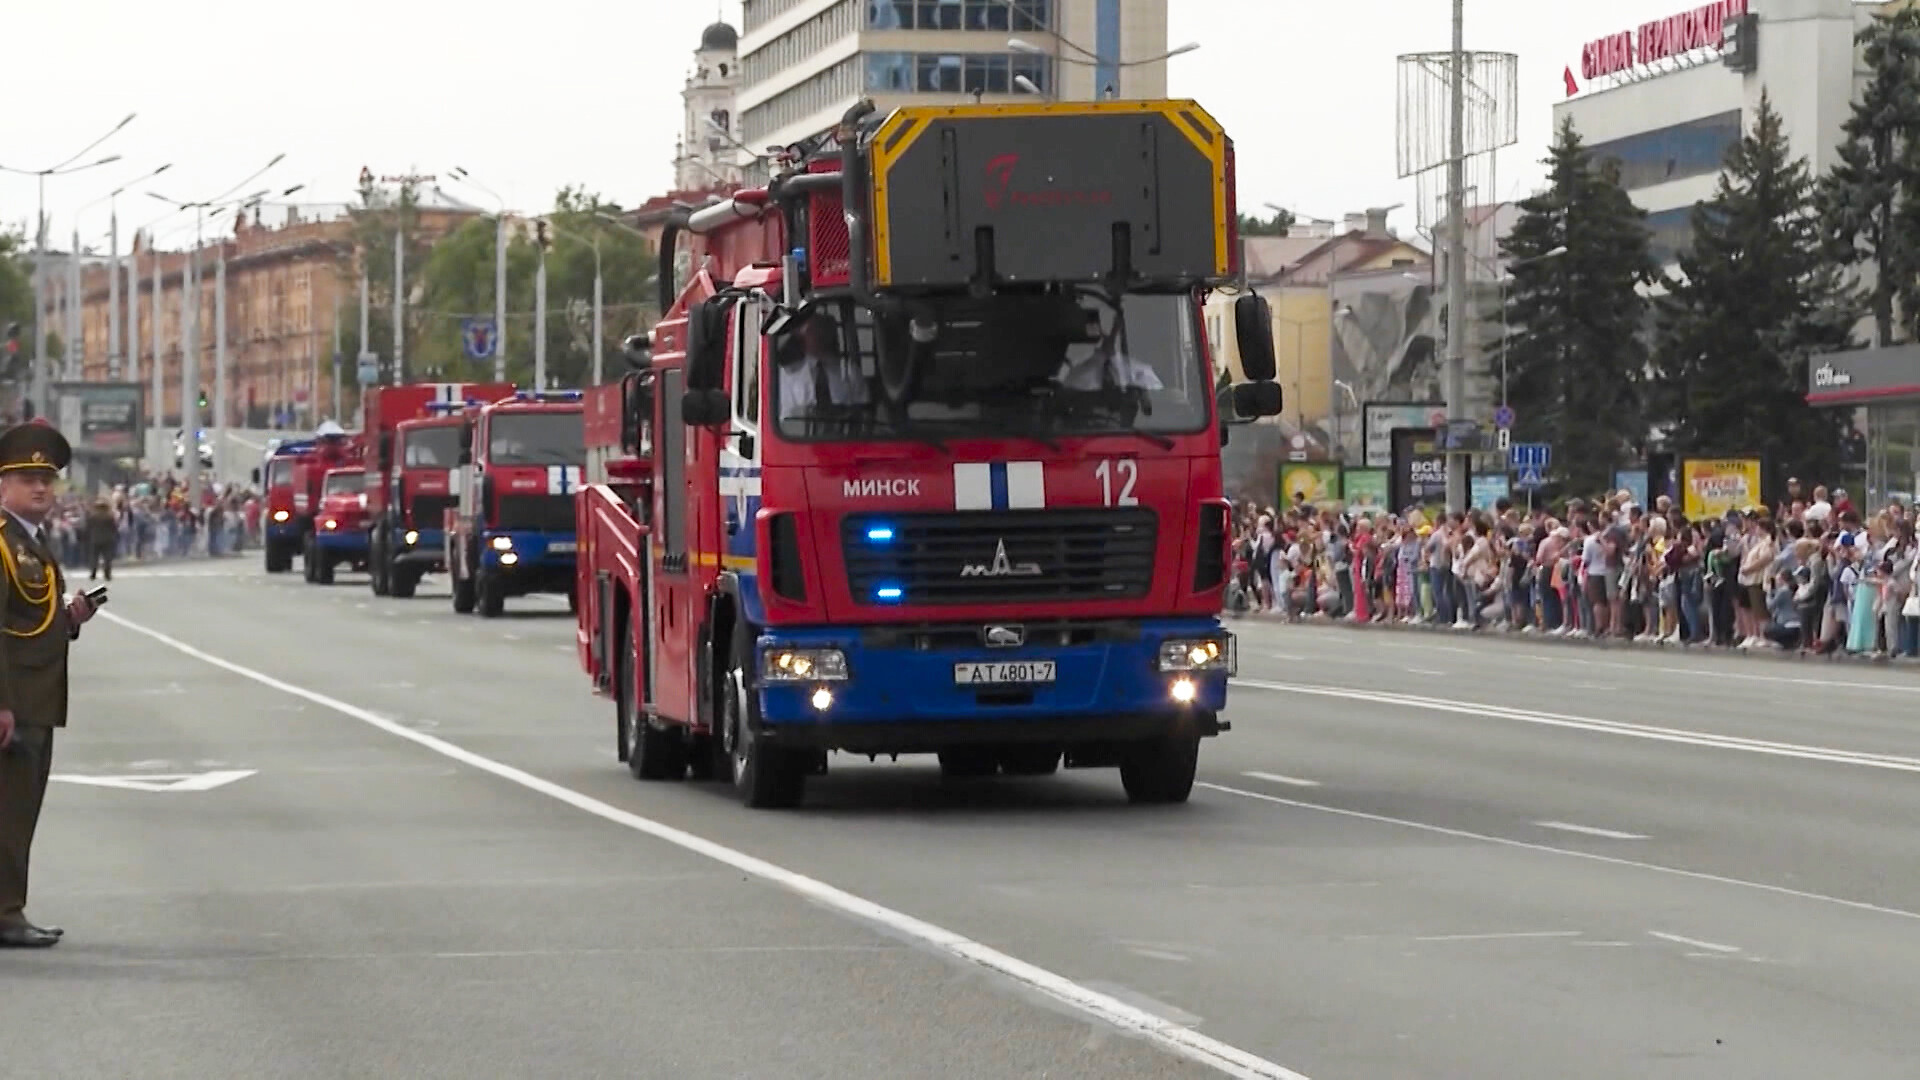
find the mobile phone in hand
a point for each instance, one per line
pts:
(96, 596)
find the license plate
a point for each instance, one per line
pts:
(1015, 671)
(564, 545)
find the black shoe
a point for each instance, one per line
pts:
(25, 936)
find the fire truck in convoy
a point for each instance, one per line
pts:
(938, 461)
(291, 479)
(339, 536)
(511, 530)
(413, 444)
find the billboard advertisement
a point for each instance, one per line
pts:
(1317, 482)
(1365, 490)
(100, 418)
(1712, 486)
(1379, 418)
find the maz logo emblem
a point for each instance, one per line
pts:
(1001, 566)
(1004, 637)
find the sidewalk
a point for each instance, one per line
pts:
(1615, 644)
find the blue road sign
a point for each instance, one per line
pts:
(479, 338)
(1529, 477)
(1535, 456)
(1503, 417)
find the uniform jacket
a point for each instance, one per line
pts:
(34, 630)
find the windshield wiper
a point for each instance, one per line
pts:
(1155, 438)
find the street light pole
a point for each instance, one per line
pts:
(499, 276)
(1458, 494)
(399, 303)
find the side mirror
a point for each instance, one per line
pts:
(707, 344)
(383, 452)
(705, 408)
(1253, 331)
(256, 475)
(637, 350)
(1257, 399)
(782, 320)
(466, 444)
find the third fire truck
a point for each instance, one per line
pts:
(512, 530)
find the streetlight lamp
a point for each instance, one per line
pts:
(119, 349)
(190, 316)
(499, 273)
(65, 168)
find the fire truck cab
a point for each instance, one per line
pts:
(511, 530)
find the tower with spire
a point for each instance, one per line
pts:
(704, 156)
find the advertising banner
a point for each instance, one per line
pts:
(1419, 475)
(1317, 481)
(1379, 418)
(100, 418)
(1712, 486)
(1365, 490)
(1633, 482)
(1488, 489)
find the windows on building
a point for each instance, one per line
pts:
(1002, 16)
(1695, 148)
(956, 73)
(837, 85)
(816, 34)
(757, 13)
(1671, 233)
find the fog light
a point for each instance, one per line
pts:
(502, 543)
(822, 699)
(508, 558)
(1182, 691)
(412, 537)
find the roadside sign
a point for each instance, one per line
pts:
(1535, 456)
(1505, 438)
(1503, 417)
(1529, 477)
(369, 372)
(478, 336)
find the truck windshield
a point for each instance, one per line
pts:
(1039, 365)
(431, 448)
(344, 483)
(537, 438)
(280, 473)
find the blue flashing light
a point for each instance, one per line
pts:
(888, 593)
(548, 395)
(880, 534)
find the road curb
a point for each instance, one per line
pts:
(1610, 645)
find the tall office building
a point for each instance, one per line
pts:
(803, 62)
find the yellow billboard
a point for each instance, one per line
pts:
(1712, 486)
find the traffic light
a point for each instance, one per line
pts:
(203, 399)
(540, 234)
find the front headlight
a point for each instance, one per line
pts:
(329, 524)
(503, 543)
(1199, 654)
(412, 537)
(803, 665)
(281, 515)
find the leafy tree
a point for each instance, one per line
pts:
(1870, 201)
(1577, 357)
(1276, 225)
(1754, 300)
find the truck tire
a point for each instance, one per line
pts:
(651, 753)
(968, 762)
(310, 561)
(767, 777)
(279, 557)
(322, 567)
(1160, 770)
(492, 598)
(403, 583)
(1030, 760)
(379, 569)
(462, 588)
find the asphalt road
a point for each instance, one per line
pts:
(1414, 856)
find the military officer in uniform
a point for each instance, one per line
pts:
(35, 629)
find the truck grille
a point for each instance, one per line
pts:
(999, 557)
(544, 513)
(429, 511)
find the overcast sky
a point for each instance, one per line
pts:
(531, 97)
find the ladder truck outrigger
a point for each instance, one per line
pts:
(938, 458)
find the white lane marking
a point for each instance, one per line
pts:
(1590, 686)
(1568, 853)
(1604, 944)
(1424, 671)
(1693, 943)
(160, 781)
(1501, 937)
(1285, 656)
(1158, 954)
(1179, 1039)
(1831, 755)
(1429, 648)
(1276, 778)
(1740, 676)
(1567, 826)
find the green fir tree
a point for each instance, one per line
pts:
(1754, 299)
(1577, 354)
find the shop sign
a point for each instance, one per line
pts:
(1673, 35)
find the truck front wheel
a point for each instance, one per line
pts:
(1160, 769)
(493, 597)
(651, 753)
(767, 777)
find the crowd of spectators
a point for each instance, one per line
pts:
(150, 518)
(1815, 574)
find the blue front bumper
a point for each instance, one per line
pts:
(530, 551)
(284, 532)
(429, 546)
(908, 686)
(341, 542)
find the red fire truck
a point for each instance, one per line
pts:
(512, 530)
(413, 435)
(291, 479)
(339, 536)
(938, 459)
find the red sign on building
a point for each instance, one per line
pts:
(1674, 35)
